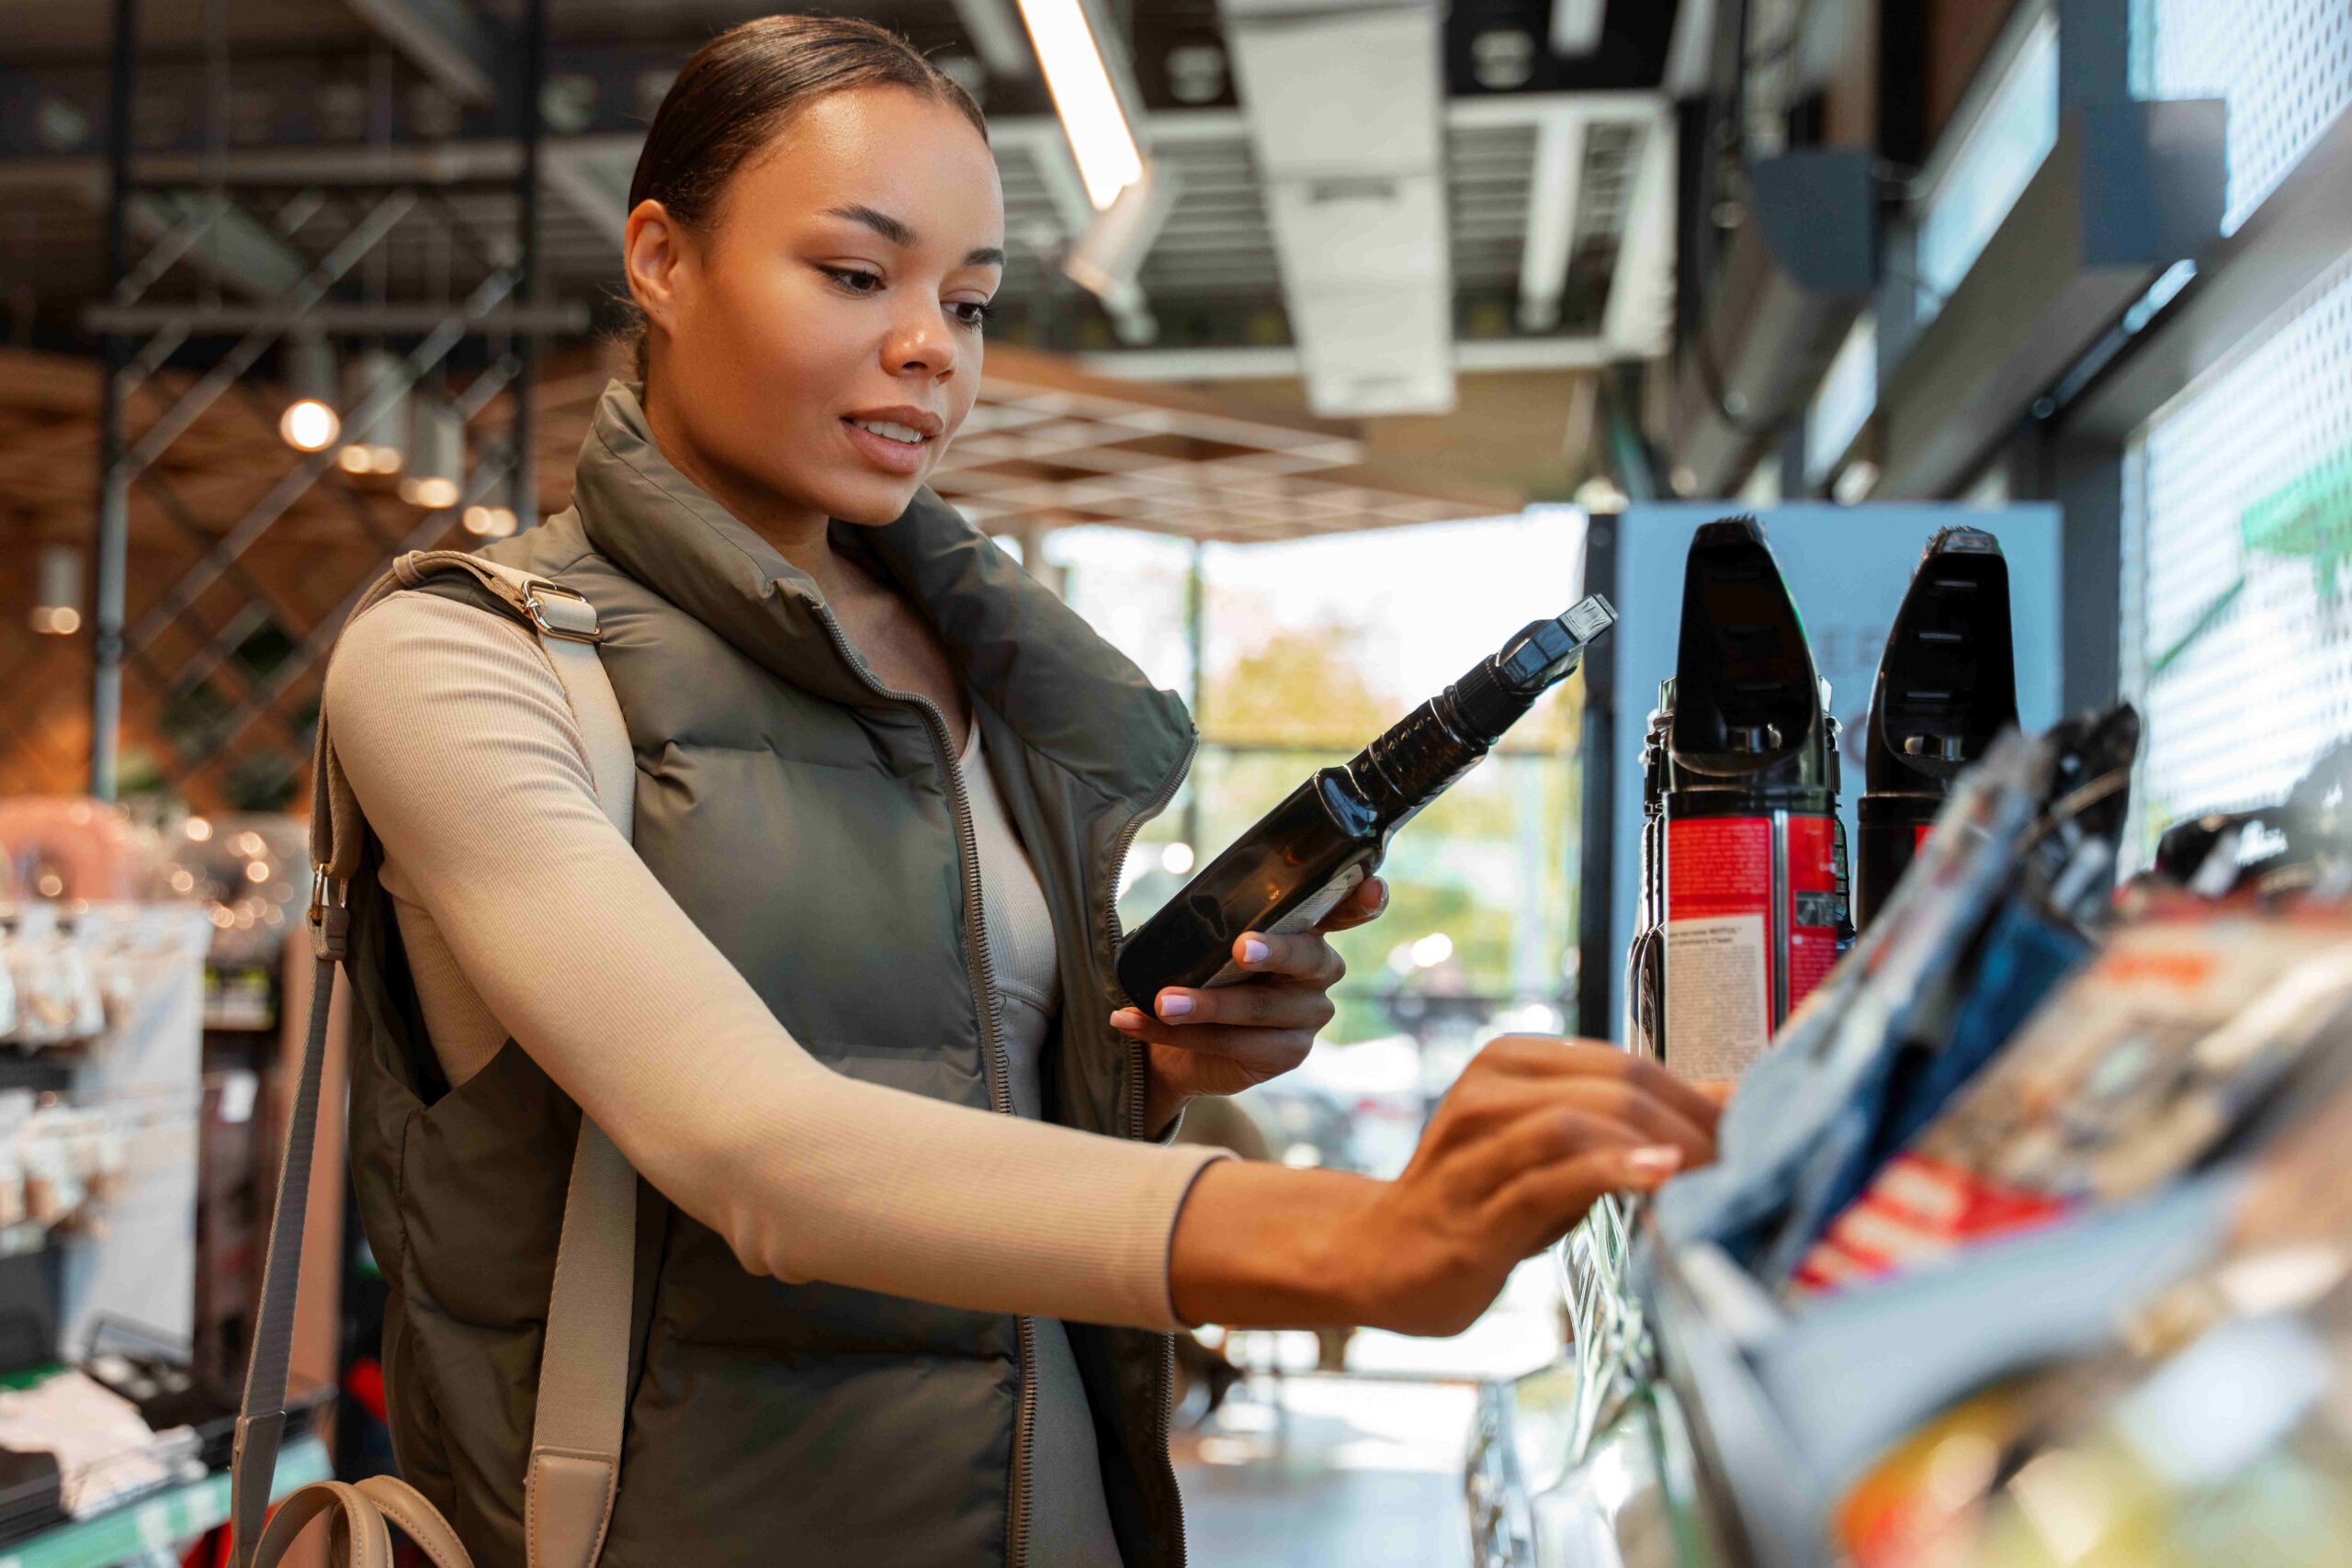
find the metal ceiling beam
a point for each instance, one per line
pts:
(447, 39)
(232, 246)
(1638, 320)
(2300, 230)
(578, 172)
(2127, 191)
(998, 33)
(1355, 192)
(1471, 357)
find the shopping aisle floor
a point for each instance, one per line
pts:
(1329, 1471)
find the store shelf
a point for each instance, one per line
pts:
(159, 1519)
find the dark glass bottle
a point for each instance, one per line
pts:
(1291, 869)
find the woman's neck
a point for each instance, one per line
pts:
(800, 535)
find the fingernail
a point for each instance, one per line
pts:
(1654, 1163)
(1253, 951)
(1127, 1020)
(1379, 896)
(1174, 1004)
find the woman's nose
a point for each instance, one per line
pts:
(919, 344)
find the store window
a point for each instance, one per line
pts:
(1309, 649)
(2284, 67)
(2237, 619)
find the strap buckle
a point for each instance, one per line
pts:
(330, 917)
(536, 607)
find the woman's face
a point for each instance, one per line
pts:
(821, 341)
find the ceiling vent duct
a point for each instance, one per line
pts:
(1798, 275)
(1354, 181)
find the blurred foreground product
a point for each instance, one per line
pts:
(1743, 871)
(1947, 686)
(2219, 1435)
(2299, 844)
(1296, 865)
(2130, 1078)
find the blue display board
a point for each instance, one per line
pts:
(1848, 567)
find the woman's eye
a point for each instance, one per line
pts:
(973, 312)
(856, 280)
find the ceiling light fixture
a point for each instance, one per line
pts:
(1092, 117)
(59, 611)
(310, 422)
(1106, 257)
(376, 446)
(436, 454)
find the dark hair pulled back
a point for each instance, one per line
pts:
(741, 88)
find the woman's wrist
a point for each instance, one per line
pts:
(1267, 1247)
(1162, 1105)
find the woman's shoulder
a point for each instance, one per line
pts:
(440, 666)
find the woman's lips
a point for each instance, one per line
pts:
(892, 457)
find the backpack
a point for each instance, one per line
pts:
(574, 1466)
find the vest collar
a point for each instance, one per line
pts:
(1067, 695)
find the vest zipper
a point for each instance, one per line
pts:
(999, 1062)
(1138, 1077)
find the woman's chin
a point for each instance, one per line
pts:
(872, 501)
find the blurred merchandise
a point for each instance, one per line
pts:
(64, 847)
(1743, 863)
(2029, 1244)
(2176, 1034)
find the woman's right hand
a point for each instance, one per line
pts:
(1532, 1133)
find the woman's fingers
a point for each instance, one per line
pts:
(1260, 1004)
(1265, 1051)
(1306, 958)
(1360, 907)
(1511, 1127)
(1544, 1205)
(1538, 1056)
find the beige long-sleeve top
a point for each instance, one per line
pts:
(525, 914)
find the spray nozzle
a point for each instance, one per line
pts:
(1546, 650)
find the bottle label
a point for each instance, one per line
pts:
(1306, 918)
(1723, 962)
(1718, 1005)
(1813, 905)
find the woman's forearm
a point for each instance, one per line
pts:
(1264, 1246)
(1533, 1131)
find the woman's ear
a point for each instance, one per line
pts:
(656, 254)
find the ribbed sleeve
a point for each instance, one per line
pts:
(510, 883)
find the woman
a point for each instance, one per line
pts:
(884, 782)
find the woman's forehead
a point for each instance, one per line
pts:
(886, 150)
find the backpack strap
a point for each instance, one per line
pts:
(575, 1468)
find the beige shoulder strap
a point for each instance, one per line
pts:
(574, 1468)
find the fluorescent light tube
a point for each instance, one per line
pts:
(1091, 117)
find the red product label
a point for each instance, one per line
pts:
(1812, 903)
(1916, 1212)
(1719, 866)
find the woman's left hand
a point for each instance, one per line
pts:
(1221, 1041)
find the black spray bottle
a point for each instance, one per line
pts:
(1947, 686)
(1292, 868)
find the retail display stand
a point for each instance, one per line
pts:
(124, 1252)
(159, 1518)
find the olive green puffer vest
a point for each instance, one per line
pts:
(804, 818)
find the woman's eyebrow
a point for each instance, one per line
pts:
(897, 233)
(882, 223)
